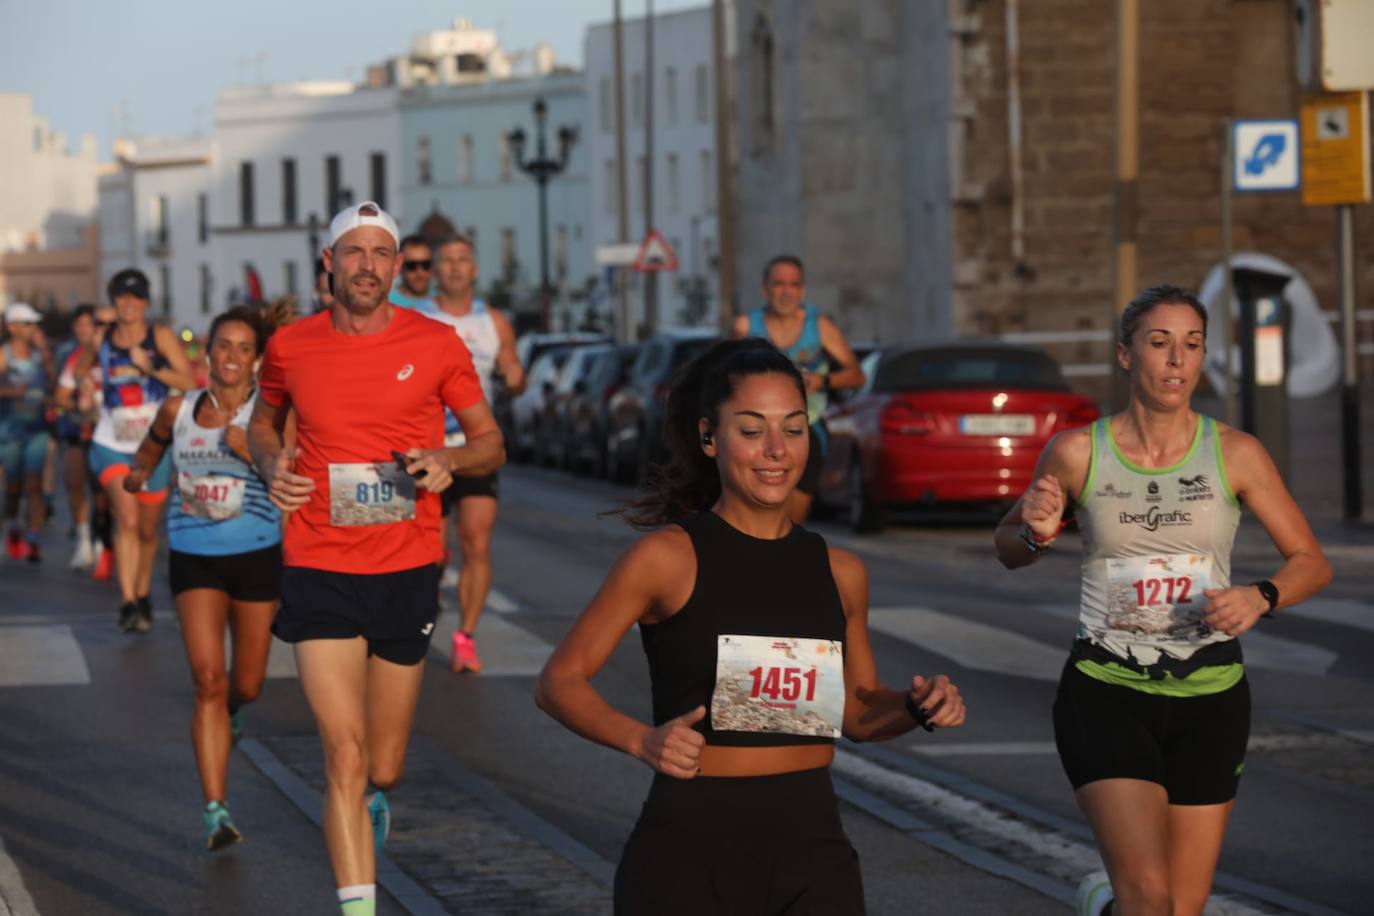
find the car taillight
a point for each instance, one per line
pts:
(905, 420)
(1081, 414)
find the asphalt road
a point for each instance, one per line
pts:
(503, 811)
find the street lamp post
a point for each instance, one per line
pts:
(543, 170)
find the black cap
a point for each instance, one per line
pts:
(129, 280)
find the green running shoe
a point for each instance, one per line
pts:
(235, 727)
(220, 831)
(379, 812)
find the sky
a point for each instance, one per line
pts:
(154, 67)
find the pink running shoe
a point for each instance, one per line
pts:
(465, 653)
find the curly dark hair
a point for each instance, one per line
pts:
(689, 482)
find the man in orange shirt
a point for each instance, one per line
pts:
(367, 381)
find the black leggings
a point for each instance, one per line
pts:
(742, 845)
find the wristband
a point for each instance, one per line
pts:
(917, 716)
(1037, 544)
(1270, 592)
(163, 441)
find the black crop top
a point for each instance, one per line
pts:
(781, 589)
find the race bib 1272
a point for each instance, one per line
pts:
(1158, 595)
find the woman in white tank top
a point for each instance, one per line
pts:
(1152, 714)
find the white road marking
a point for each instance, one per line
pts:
(282, 660)
(507, 650)
(1047, 748)
(1356, 614)
(973, 645)
(1262, 650)
(502, 603)
(1070, 858)
(14, 896)
(41, 656)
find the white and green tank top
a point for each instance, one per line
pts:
(1153, 540)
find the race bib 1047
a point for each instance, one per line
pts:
(1159, 595)
(213, 496)
(370, 494)
(789, 685)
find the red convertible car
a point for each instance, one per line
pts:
(959, 422)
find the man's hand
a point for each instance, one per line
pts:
(433, 465)
(287, 489)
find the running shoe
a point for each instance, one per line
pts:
(450, 577)
(465, 653)
(379, 812)
(235, 727)
(1094, 893)
(128, 616)
(35, 555)
(144, 623)
(103, 567)
(83, 556)
(220, 831)
(16, 545)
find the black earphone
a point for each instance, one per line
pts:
(705, 438)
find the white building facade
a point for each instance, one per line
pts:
(459, 164)
(153, 217)
(684, 154)
(47, 192)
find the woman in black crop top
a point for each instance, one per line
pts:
(756, 634)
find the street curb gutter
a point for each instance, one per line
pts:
(410, 895)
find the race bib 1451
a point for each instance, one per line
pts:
(779, 684)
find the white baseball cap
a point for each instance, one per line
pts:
(367, 213)
(22, 312)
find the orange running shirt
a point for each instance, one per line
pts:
(356, 399)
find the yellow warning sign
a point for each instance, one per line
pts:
(1335, 149)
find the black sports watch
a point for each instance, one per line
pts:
(1270, 592)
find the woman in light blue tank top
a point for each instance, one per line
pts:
(225, 538)
(1152, 715)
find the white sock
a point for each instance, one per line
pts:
(358, 899)
(83, 532)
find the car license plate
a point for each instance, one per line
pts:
(996, 424)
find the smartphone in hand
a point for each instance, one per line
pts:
(401, 460)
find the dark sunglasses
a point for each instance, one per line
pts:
(417, 265)
(104, 324)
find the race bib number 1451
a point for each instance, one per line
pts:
(779, 684)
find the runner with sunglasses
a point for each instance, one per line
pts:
(417, 271)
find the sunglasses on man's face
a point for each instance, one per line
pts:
(104, 324)
(416, 265)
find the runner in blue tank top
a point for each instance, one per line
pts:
(1153, 711)
(818, 348)
(25, 380)
(138, 364)
(414, 285)
(225, 537)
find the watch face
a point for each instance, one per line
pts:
(1269, 591)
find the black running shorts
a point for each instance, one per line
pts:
(462, 487)
(1192, 746)
(755, 844)
(251, 576)
(393, 611)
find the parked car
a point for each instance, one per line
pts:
(528, 348)
(550, 424)
(960, 422)
(586, 413)
(526, 407)
(634, 437)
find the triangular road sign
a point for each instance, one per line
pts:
(655, 254)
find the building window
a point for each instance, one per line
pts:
(607, 107)
(333, 180)
(160, 235)
(465, 158)
(612, 185)
(202, 217)
(289, 277)
(504, 156)
(424, 171)
(637, 100)
(674, 197)
(205, 289)
(288, 192)
(246, 193)
(670, 97)
(509, 263)
(377, 172)
(708, 182)
(38, 139)
(703, 94)
(761, 84)
(164, 276)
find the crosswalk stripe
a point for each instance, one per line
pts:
(14, 896)
(1280, 742)
(1357, 614)
(973, 645)
(41, 656)
(281, 663)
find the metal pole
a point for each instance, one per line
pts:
(1227, 334)
(650, 277)
(622, 196)
(544, 316)
(725, 196)
(1350, 383)
(1125, 263)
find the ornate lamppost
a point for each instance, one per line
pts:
(543, 170)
